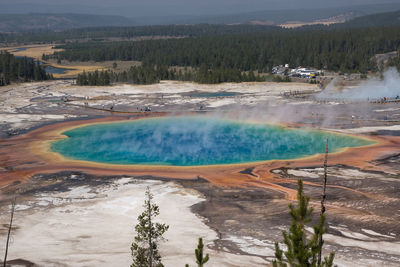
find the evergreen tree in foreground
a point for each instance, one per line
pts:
(302, 251)
(144, 249)
(200, 259)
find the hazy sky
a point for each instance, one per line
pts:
(170, 7)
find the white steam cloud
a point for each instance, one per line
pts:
(372, 89)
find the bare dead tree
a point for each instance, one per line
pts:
(323, 197)
(9, 230)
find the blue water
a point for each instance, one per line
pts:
(19, 57)
(53, 70)
(48, 69)
(194, 140)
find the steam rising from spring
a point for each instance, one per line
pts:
(369, 90)
(194, 140)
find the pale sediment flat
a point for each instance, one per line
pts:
(373, 129)
(95, 226)
(32, 101)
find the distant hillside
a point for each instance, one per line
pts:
(297, 17)
(380, 19)
(385, 19)
(31, 22)
(277, 17)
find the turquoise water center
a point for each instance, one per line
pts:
(193, 141)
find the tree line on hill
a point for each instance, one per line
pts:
(99, 33)
(346, 50)
(181, 29)
(373, 20)
(14, 69)
(151, 74)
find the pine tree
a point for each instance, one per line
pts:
(14, 69)
(302, 251)
(148, 234)
(200, 260)
(198, 252)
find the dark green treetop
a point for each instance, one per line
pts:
(148, 234)
(302, 251)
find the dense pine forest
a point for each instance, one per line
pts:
(151, 74)
(100, 33)
(221, 53)
(14, 69)
(345, 50)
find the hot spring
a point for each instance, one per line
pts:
(194, 141)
